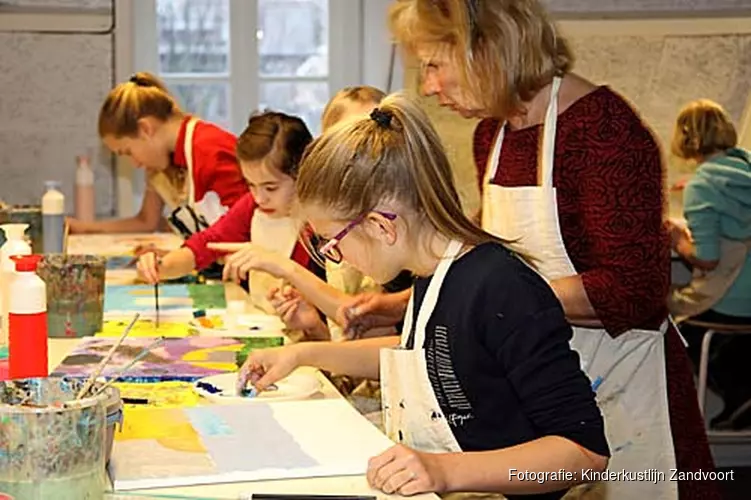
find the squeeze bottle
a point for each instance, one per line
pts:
(53, 218)
(27, 320)
(85, 210)
(15, 244)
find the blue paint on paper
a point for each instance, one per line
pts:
(207, 423)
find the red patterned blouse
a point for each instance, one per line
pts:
(609, 178)
(608, 174)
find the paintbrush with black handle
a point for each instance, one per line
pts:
(156, 301)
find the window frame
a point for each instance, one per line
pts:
(136, 50)
(345, 25)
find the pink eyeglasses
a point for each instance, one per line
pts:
(330, 248)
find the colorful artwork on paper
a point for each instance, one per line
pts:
(140, 298)
(147, 328)
(161, 447)
(180, 359)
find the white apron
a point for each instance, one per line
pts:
(182, 201)
(708, 287)
(411, 413)
(629, 371)
(277, 235)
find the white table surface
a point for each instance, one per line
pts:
(349, 485)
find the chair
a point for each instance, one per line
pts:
(712, 330)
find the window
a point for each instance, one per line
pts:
(224, 59)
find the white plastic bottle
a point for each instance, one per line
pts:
(27, 323)
(15, 244)
(85, 209)
(53, 218)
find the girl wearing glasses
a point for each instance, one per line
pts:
(482, 387)
(298, 304)
(190, 164)
(269, 151)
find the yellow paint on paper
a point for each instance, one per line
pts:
(203, 357)
(147, 328)
(170, 428)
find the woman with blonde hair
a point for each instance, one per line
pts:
(482, 389)
(191, 167)
(715, 241)
(570, 174)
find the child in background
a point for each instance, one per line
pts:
(715, 240)
(190, 164)
(484, 381)
(296, 303)
(269, 150)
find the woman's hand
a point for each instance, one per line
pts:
(371, 310)
(296, 312)
(246, 257)
(75, 226)
(265, 367)
(405, 471)
(148, 267)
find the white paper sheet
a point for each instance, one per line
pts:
(297, 439)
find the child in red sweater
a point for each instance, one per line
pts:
(190, 164)
(269, 151)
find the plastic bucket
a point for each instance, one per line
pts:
(51, 445)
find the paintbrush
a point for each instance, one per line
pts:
(90, 381)
(156, 302)
(130, 365)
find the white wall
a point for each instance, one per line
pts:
(376, 51)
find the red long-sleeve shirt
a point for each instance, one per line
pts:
(215, 166)
(608, 175)
(233, 227)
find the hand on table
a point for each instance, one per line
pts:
(75, 226)
(245, 257)
(267, 366)
(405, 471)
(370, 310)
(295, 312)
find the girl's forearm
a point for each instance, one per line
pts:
(323, 296)
(358, 358)
(555, 459)
(176, 264)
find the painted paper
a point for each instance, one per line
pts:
(179, 359)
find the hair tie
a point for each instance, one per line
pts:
(382, 118)
(137, 80)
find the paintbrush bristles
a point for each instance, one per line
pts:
(90, 381)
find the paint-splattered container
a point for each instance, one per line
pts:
(114, 411)
(51, 445)
(75, 293)
(25, 214)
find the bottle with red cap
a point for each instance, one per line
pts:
(27, 320)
